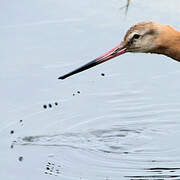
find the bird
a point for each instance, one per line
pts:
(143, 37)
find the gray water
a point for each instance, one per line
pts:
(123, 125)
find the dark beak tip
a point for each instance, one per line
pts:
(61, 77)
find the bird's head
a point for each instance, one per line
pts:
(144, 37)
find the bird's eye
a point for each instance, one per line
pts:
(136, 36)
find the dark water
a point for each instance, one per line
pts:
(123, 125)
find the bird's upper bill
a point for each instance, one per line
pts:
(116, 51)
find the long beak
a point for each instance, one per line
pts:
(116, 51)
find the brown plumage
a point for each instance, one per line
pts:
(154, 38)
(144, 37)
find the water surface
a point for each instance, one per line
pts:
(123, 125)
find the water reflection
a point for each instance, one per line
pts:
(103, 149)
(114, 140)
(126, 7)
(155, 177)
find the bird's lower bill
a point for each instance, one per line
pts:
(116, 51)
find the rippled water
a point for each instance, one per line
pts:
(123, 125)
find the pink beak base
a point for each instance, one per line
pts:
(116, 51)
